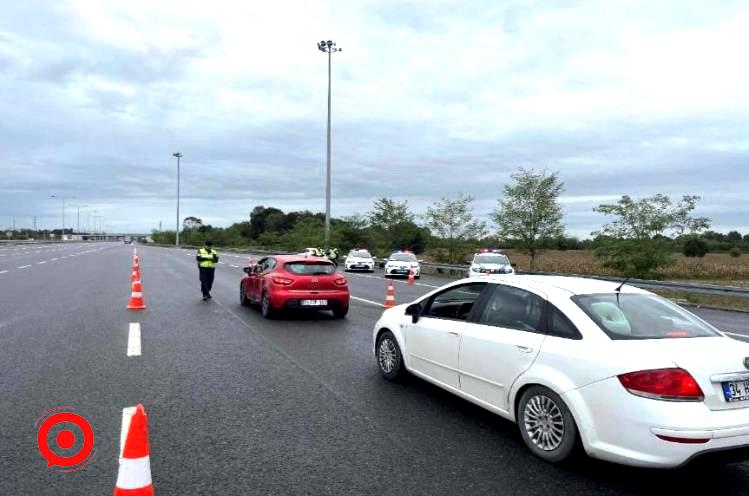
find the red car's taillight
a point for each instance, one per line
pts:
(663, 384)
(341, 282)
(283, 281)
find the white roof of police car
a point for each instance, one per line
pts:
(563, 286)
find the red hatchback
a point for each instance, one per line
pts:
(294, 282)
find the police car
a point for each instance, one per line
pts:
(490, 262)
(400, 263)
(359, 259)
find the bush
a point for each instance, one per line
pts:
(735, 252)
(695, 247)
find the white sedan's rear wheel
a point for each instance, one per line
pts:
(546, 424)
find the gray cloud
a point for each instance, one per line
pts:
(430, 99)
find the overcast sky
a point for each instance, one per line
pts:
(430, 98)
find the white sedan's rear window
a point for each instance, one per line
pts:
(641, 316)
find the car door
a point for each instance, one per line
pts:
(501, 343)
(432, 343)
(263, 266)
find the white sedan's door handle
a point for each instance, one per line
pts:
(524, 349)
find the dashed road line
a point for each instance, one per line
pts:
(133, 340)
(42, 262)
(366, 301)
(3, 271)
(235, 266)
(23, 267)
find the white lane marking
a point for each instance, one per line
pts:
(3, 271)
(54, 259)
(42, 262)
(222, 263)
(24, 267)
(127, 416)
(235, 266)
(736, 334)
(366, 301)
(133, 340)
(394, 280)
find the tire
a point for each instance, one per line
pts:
(340, 312)
(243, 300)
(389, 357)
(266, 310)
(552, 443)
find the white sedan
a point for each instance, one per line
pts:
(632, 377)
(401, 263)
(359, 260)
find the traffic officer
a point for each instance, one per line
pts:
(333, 255)
(207, 260)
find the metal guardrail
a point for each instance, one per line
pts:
(462, 270)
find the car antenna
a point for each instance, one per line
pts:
(619, 290)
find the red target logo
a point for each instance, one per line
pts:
(69, 427)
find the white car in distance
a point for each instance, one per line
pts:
(359, 260)
(632, 377)
(401, 263)
(484, 264)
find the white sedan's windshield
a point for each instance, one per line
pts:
(359, 254)
(403, 257)
(641, 316)
(491, 259)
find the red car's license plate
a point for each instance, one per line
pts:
(314, 303)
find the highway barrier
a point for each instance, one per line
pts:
(461, 270)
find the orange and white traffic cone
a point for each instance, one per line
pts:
(136, 262)
(411, 278)
(137, 287)
(135, 275)
(389, 296)
(134, 476)
(136, 297)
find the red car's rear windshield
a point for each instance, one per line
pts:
(310, 268)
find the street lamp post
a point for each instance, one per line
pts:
(62, 231)
(78, 217)
(179, 156)
(329, 48)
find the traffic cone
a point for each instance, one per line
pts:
(135, 275)
(389, 296)
(136, 262)
(411, 278)
(137, 287)
(136, 298)
(134, 475)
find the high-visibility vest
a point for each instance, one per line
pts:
(206, 258)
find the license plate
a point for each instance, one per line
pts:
(736, 390)
(314, 303)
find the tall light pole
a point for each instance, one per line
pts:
(78, 217)
(329, 48)
(62, 231)
(179, 157)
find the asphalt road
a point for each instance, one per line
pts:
(242, 405)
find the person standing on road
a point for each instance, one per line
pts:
(333, 255)
(207, 260)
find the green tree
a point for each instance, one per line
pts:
(387, 213)
(635, 242)
(530, 213)
(695, 246)
(453, 221)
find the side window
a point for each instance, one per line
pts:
(514, 308)
(455, 303)
(560, 326)
(270, 263)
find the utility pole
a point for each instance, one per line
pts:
(329, 48)
(178, 155)
(35, 223)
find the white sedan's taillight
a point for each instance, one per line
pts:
(673, 384)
